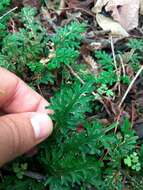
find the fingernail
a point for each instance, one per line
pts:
(42, 125)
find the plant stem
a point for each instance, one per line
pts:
(113, 53)
(8, 12)
(130, 86)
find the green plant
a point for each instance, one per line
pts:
(16, 184)
(105, 60)
(25, 46)
(107, 69)
(66, 45)
(82, 152)
(3, 20)
(135, 44)
(104, 91)
(133, 161)
(4, 4)
(24, 49)
(137, 47)
(19, 169)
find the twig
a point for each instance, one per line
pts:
(113, 52)
(75, 74)
(140, 30)
(118, 72)
(106, 153)
(8, 12)
(48, 18)
(34, 175)
(62, 4)
(46, 3)
(78, 77)
(119, 82)
(101, 32)
(41, 93)
(79, 9)
(118, 119)
(30, 174)
(130, 86)
(133, 112)
(122, 63)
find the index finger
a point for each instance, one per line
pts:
(17, 97)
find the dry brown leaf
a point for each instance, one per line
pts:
(123, 11)
(141, 7)
(32, 3)
(126, 12)
(93, 64)
(99, 4)
(107, 24)
(79, 4)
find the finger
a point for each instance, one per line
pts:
(16, 96)
(21, 132)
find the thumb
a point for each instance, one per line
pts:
(21, 132)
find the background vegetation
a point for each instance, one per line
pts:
(96, 143)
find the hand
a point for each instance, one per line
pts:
(24, 122)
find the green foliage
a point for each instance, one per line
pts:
(69, 36)
(63, 55)
(133, 161)
(125, 79)
(19, 169)
(105, 60)
(107, 67)
(81, 153)
(135, 44)
(66, 44)
(104, 91)
(4, 4)
(3, 20)
(24, 49)
(71, 104)
(20, 48)
(17, 184)
(73, 157)
(2, 30)
(137, 47)
(106, 63)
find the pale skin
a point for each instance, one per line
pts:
(24, 121)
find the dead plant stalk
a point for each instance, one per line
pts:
(130, 86)
(113, 53)
(10, 11)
